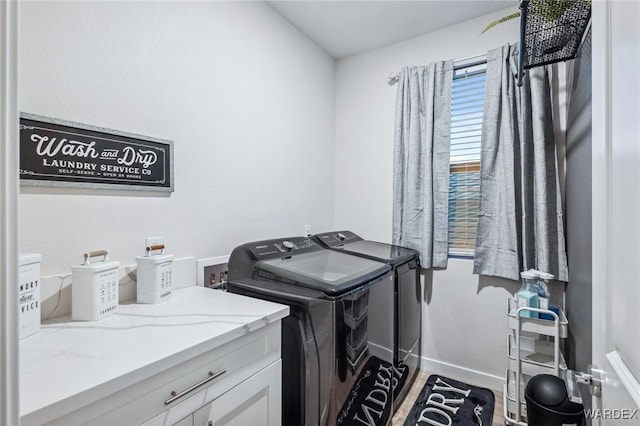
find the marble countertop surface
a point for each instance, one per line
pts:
(67, 358)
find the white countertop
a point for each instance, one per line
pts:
(67, 357)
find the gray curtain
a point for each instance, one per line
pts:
(520, 224)
(421, 161)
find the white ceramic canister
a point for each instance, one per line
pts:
(29, 294)
(94, 290)
(154, 275)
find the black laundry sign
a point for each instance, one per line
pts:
(60, 153)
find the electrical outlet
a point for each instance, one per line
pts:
(202, 268)
(307, 230)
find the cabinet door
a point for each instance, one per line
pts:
(256, 402)
(187, 421)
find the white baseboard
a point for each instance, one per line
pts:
(472, 377)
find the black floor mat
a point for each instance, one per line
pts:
(368, 402)
(444, 401)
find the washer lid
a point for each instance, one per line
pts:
(328, 271)
(381, 252)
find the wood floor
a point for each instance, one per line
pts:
(403, 411)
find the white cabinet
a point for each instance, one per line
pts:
(157, 364)
(256, 402)
(173, 395)
(533, 347)
(187, 421)
(250, 395)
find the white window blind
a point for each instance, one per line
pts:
(467, 105)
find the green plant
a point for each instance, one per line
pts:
(551, 10)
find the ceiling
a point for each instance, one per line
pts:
(346, 28)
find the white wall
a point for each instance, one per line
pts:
(464, 316)
(246, 98)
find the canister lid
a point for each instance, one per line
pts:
(29, 258)
(531, 274)
(97, 266)
(157, 258)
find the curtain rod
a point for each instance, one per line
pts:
(393, 77)
(469, 57)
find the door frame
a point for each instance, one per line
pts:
(9, 190)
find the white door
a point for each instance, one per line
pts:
(616, 210)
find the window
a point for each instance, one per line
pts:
(467, 104)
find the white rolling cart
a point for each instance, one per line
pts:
(530, 351)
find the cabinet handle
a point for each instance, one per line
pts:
(177, 395)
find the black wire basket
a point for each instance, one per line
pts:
(554, 30)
